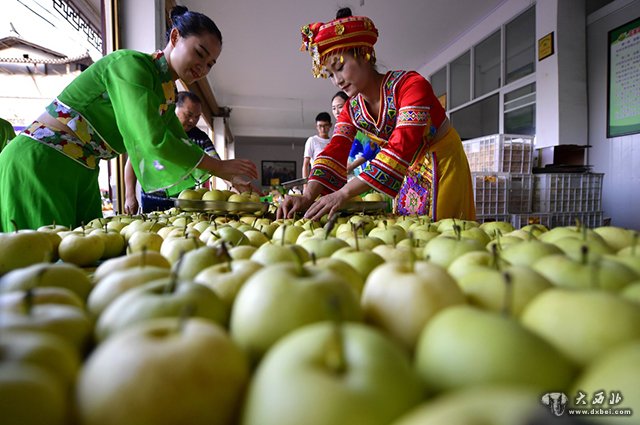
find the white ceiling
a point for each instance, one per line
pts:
(267, 81)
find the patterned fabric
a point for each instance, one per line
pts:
(350, 33)
(408, 164)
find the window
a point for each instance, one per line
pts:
(486, 75)
(439, 84)
(478, 119)
(460, 80)
(520, 110)
(520, 43)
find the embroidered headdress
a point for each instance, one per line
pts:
(353, 33)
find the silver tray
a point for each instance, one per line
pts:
(220, 207)
(355, 207)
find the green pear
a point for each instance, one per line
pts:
(242, 252)
(138, 259)
(29, 395)
(528, 252)
(118, 282)
(344, 269)
(573, 248)
(23, 248)
(487, 288)
(443, 250)
(363, 261)
(419, 289)
(47, 351)
(256, 238)
(616, 237)
(160, 298)
(323, 248)
(271, 253)
(484, 404)
(190, 194)
(194, 261)
(287, 233)
(475, 260)
(66, 321)
(227, 278)
(390, 234)
(58, 275)
(144, 240)
(14, 300)
(174, 248)
(163, 372)
(582, 324)
(617, 372)
(602, 273)
(81, 249)
(114, 242)
(325, 375)
(491, 228)
(632, 292)
(464, 346)
(282, 297)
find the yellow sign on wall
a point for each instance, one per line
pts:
(545, 46)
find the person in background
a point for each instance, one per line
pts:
(123, 103)
(6, 133)
(362, 149)
(188, 110)
(315, 144)
(421, 160)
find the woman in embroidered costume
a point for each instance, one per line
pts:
(122, 103)
(421, 160)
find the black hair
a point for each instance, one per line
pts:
(344, 12)
(192, 23)
(342, 95)
(323, 116)
(184, 95)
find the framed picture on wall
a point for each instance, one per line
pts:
(278, 172)
(623, 83)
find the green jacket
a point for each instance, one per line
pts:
(127, 98)
(6, 133)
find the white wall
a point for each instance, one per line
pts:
(259, 149)
(618, 158)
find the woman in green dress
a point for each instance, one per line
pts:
(123, 103)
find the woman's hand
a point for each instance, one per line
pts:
(327, 204)
(232, 169)
(131, 205)
(291, 205)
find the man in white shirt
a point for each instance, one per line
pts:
(315, 144)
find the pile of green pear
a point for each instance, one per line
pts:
(188, 318)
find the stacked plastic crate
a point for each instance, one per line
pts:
(501, 175)
(505, 189)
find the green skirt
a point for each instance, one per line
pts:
(39, 186)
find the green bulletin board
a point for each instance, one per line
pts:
(623, 91)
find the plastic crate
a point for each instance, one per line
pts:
(520, 193)
(588, 219)
(486, 218)
(567, 192)
(491, 193)
(500, 153)
(520, 220)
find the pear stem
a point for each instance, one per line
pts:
(412, 255)
(186, 313)
(298, 262)
(354, 227)
(334, 355)
(313, 258)
(458, 231)
(495, 257)
(28, 301)
(15, 225)
(507, 305)
(584, 254)
(173, 280)
(284, 233)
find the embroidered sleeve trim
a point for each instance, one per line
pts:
(413, 116)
